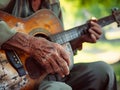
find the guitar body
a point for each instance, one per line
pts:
(42, 23)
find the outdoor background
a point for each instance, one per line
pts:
(78, 12)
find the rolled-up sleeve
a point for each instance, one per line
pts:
(4, 3)
(5, 32)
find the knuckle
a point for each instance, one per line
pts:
(57, 70)
(63, 65)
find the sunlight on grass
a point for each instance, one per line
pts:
(101, 51)
(106, 45)
(113, 35)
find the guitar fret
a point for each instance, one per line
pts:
(64, 37)
(76, 32)
(73, 33)
(57, 38)
(106, 20)
(83, 29)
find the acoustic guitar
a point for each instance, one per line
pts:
(41, 24)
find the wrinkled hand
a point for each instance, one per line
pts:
(94, 33)
(51, 56)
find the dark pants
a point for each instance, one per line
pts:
(92, 76)
(89, 76)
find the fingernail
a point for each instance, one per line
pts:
(93, 18)
(63, 76)
(91, 22)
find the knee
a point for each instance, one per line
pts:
(60, 86)
(52, 85)
(103, 67)
(104, 74)
(102, 70)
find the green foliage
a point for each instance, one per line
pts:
(116, 68)
(96, 8)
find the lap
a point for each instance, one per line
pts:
(90, 75)
(85, 76)
(53, 85)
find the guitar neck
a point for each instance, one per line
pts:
(78, 31)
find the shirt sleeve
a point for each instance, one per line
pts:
(4, 3)
(5, 32)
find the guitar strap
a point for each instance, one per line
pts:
(15, 61)
(21, 9)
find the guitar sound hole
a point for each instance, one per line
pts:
(42, 35)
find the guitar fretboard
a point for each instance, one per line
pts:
(76, 32)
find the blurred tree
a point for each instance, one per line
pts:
(83, 10)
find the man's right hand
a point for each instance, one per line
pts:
(50, 56)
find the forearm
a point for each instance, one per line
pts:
(19, 41)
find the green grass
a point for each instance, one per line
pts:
(105, 45)
(116, 68)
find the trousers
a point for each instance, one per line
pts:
(88, 76)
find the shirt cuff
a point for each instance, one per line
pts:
(5, 32)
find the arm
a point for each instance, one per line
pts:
(50, 55)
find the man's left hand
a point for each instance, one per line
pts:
(94, 34)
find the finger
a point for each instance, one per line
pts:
(62, 63)
(64, 54)
(49, 69)
(91, 31)
(47, 66)
(97, 27)
(97, 30)
(56, 67)
(93, 38)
